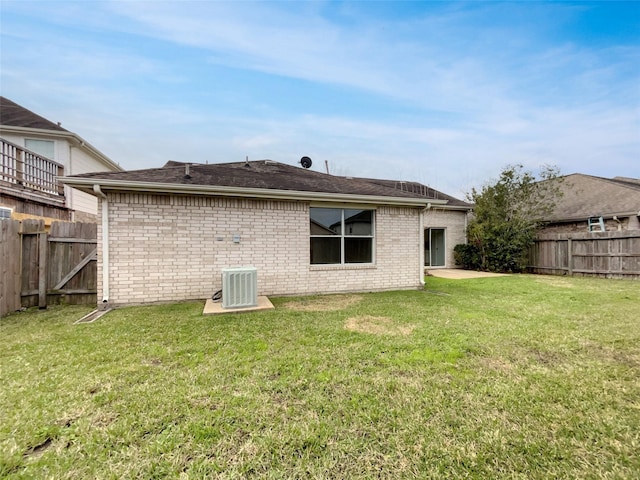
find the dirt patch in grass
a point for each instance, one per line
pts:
(329, 303)
(497, 364)
(377, 326)
(610, 354)
(104, 419)
(39, 449)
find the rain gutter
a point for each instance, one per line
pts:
(89, 185)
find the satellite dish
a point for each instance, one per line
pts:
(305, 162)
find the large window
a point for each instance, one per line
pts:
(46, 148)
(341, 235)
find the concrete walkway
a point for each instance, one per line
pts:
(459, 274)
(215, 308)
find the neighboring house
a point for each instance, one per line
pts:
(166, 234)
(591, 203)
(34, 153)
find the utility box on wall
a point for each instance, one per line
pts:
(239, 287)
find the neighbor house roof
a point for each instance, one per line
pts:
(257, 178)
(585, 196)
(15, 115)
(18, 120)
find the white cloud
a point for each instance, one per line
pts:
(473, 99)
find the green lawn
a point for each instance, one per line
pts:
(510, 377)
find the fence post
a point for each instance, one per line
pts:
(10, 280)
(60, 173)
(42, 270)
(570, 255)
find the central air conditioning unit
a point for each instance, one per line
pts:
(239, 287)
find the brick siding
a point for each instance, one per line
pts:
(172, 247)
(453, 222)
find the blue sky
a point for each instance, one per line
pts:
(442, 93)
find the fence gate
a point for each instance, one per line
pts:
(45, 268)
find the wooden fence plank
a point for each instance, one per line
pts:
(9, 266)
(610, 254)
(29, 259)
(42, 270)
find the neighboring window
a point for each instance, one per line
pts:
(5, 212)
(46, 148)
(341, 235)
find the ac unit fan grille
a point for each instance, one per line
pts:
(239, 287)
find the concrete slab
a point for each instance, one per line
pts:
(215, 308)
(459, 274)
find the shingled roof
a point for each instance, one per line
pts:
(12, 114)
(422, 190)
(585, 196)
(264, 174)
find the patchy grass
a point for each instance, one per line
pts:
(325, 303)
(377, 325)
(509, 377)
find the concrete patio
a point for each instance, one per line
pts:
(459, 274)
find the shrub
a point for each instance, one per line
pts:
(467, 256)
(507, 215)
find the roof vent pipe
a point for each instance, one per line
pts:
(186, 171)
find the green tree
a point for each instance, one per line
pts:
(507, 215)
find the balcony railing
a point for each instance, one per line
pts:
(23, 167)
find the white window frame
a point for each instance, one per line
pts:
(428, 235)
(344, 236)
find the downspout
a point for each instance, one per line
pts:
(466, 224)
(105, 245)
(428, 207)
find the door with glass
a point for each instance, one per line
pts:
(434, 247)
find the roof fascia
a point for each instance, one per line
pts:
(466, 208)
(273, 194)
(77, 139)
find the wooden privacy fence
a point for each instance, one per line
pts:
(43, 268)
(607, 254)
(9, 266)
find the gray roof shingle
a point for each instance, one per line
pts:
(12, 114)
(585, 196)
(271, 175)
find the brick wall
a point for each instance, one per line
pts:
(171, 247)
(453, 221)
